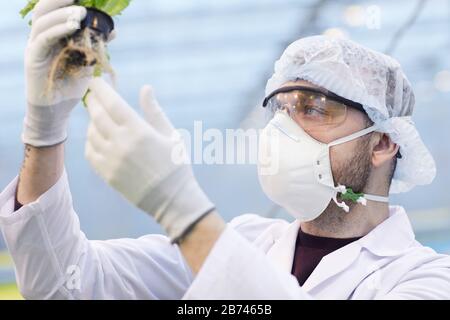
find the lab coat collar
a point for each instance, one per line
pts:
(282, 251)
(392, 237)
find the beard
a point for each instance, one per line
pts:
(353, 173)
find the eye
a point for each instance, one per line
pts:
(313, 110)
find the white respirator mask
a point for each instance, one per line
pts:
(295, 172)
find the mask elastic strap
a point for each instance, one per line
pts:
(347, 193)
(354, 136)
(372, 197)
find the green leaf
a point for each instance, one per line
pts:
(28, 8)
(351, 195)
(111, 7)
(98, 71)
(86, 3)
(84, 100)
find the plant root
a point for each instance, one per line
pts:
(82, 55)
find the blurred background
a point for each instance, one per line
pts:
(209, 61)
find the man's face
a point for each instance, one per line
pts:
(351, 161)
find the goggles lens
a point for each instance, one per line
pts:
(309, 109)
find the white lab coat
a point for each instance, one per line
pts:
(251, 260)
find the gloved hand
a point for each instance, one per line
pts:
(48, 112)
(145, 161)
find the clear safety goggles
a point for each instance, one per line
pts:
(309, 107)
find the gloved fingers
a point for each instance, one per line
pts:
(89, 152)
(99, 117)
(99, 162)
(153, 112)
(46, 40)
(96, 160)
(46, 6)
(96, 139)
(72, 15)
(111, 102)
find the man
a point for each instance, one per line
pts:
(340, 139)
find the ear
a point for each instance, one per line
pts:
(384, 150)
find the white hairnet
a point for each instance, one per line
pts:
(368, 77)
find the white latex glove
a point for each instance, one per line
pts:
(145, 161)
(47, 114)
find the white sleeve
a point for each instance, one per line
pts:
(237, 270)
(430, 281)
(54, 260)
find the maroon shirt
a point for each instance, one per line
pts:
(17, 205)
(309, 250)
